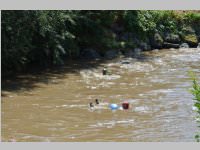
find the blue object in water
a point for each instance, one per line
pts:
(113, 106)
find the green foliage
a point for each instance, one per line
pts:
(196, 93)
(35, 37)
(192, 18)
(147, 22)
(140, 21)
(49, 37)
(45, 38)
(167, 21)
(16, 38)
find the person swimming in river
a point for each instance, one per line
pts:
(104, 71)
(125, 105)
(97, 101)
(91, 105)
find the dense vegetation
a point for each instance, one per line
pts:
(48, 38)
(196, 93)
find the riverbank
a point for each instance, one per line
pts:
(52, 37)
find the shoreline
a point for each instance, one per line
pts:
(111, 54)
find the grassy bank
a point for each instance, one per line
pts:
(32, 39)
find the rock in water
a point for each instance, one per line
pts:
(170, 45)
(189, 36)
(184, 45)
(145, 46)
(191, 39)
(157, 41)
(198, 45)
(172, 38)
(137, 52)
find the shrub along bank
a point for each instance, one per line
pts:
(196, 93)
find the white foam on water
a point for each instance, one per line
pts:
(100, 85)
(138, 67)
(71, 106)
(141, 109)
(160, 91)
(93, 87)
(155, 50)
(159, 61)
(186, 58)
(112, 123)
(90, 75)
(47, 106)
(158, 80)
(35, 137)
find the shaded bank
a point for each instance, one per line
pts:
(27, 81)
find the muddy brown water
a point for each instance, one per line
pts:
(156, 86)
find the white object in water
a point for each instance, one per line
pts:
(114, 106)
(120, 108)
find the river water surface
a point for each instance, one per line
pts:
(156, 84)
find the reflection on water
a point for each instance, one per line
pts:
(156, 86)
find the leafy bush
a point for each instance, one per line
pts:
(168, 21)
(35, 37)
(192, 18)
(141, 22)
(196, 93)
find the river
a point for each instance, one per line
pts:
(53, 106)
